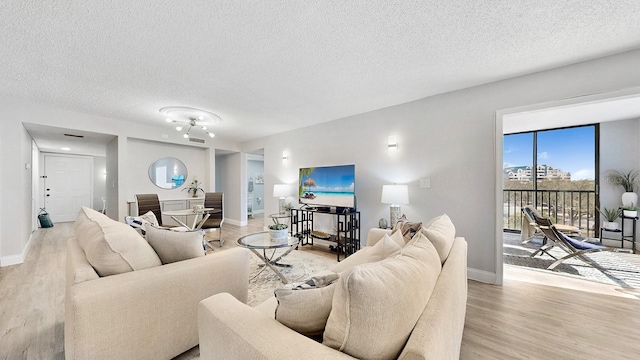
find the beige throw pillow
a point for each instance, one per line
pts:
(112, 247)
(305, 307)
(172, 246)
(406, 228)
(441, 232)
(139, 222)
(381, 250)
(375, 306)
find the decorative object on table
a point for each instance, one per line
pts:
(382, 223)
(281, 191)
(194, 187)
(190, 118)
(611, 215)
(198, 208)
(288, 207)
(395, 195)
(628, 182)
(278, 232)
(259, 178)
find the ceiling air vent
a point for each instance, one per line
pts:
(196, 140)
(75, 136)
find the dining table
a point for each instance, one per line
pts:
(202, 214)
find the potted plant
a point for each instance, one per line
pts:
(628, 182)
(287, 207)
(194, 187)
(278, 232)
(611, 215)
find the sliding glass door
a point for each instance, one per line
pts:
(554, 170)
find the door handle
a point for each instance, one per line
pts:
(48, 194)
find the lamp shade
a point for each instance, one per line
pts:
(281, 190)
(395, 194)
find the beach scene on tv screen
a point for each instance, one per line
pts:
(328, 186)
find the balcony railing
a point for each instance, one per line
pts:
(569, 207)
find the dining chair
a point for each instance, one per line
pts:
(214, 200)
(149, 202)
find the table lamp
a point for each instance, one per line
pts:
(280, 191)
(394, 195)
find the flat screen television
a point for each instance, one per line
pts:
(328, 186)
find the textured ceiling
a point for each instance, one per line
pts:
(270, 66)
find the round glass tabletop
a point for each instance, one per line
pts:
(262, 240)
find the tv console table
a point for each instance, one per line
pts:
(347, 239)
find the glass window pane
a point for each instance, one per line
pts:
(517, 158)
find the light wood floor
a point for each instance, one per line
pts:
(535, 315)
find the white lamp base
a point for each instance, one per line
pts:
(281, 209)
(394, 214)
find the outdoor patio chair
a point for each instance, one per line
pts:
(574, 248)
(531, 228)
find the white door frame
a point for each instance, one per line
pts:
(498, 128)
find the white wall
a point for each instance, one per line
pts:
(16, 194)
(453, 139)
(619, 150)
(229, 180)
(146, 152)
(99, 181)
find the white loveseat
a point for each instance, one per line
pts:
(143, 314)
(229, 329)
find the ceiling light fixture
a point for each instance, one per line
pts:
(187, 117)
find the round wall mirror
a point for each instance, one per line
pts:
(168, 173)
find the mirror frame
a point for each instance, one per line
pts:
(178, 177)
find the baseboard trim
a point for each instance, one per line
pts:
(16, 259)
(236, 222)
(481, 275)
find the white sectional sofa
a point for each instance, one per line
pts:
(229, 329)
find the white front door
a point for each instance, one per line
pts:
(68, 186)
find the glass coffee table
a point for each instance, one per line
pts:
(260, 243)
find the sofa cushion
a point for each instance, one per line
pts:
(305, 307)
(112, 247)
(441, 232)
(406, 228)
(381, 250)
(376, 305)
(172, 246)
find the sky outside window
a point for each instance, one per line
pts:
(571, 150)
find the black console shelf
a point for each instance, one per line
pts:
(347, 239)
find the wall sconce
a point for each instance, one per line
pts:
(392, 143)
(285, 156)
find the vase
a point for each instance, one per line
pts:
(629, 213)
(629, 199)
(610, 225)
